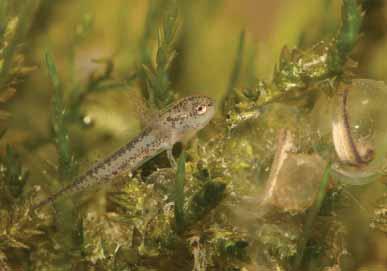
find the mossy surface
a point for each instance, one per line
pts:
(80, 78)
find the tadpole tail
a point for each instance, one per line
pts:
(129, 157)
(53, 197)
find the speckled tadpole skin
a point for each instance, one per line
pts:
(177, 122)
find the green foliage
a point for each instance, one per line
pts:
(61, 135)
(17, 228)
(158, 86)
(279, 242)
(12, 62)
(204, 215)
(12, 36)
(150, 26)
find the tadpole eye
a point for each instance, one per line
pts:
(201, 109)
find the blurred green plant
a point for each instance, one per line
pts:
(99, 80)
(12, 61)
(158, 92)
(66, 162)
(16, 227)
(13, 176)
(16, 27)
(67, 166)
(234, 77)
(151, 222)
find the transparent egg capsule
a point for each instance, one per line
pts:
(294, 179)
(359, 131)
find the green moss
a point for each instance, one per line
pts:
(207, 214)
(204, 200)
(231, 245)
(279, 240)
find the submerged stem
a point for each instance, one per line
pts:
(312, 216)
(234, 77)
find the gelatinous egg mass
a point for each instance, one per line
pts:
(367, 107)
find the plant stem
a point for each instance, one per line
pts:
(351, 21)
(62, 140)
(234, 77)
(312, 216)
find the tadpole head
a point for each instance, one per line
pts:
(191, 113)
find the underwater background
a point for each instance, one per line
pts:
(290, 174)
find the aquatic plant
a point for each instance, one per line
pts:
(261, 188)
